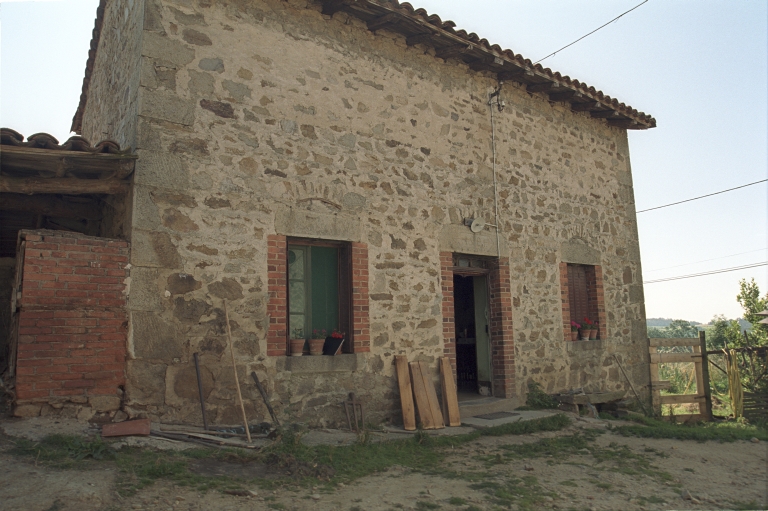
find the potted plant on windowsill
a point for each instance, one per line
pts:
(317, 341)
(575, 331)
(297, 342)
(594, 332)
(586, 329)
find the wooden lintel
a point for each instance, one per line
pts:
(604, 114)
(562, 96)
(452, 51)
(621, 123)
(541, 87)
(332, 7)
(67, 186)
(583, 107)
(420, 38)
(381, 21)
(34, 162)
(49, 206)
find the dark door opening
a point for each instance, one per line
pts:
(473, 357)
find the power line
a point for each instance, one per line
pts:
(595, 30)
(713, 272)
(706, 260)
(701, 197)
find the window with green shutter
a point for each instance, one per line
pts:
(318, 288)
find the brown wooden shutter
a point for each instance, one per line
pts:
(578, 297)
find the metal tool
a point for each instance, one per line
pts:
(354, 404)
(200, 390)
(264, 397)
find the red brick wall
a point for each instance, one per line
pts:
(502, 339)
(72, 317)
(277, 308)
(449, 322)
(360, 321)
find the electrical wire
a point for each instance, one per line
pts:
(703, 196)
(706, 260)
(703, 274)
(595, 30)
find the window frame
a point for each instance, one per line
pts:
(593, 291)
(344, 279)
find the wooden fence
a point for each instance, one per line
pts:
(755, 406)
(702, 397)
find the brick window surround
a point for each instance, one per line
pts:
(72, 320)
(500, 304)
(595, 296)
(277, 307)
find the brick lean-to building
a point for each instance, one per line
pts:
(320, 165)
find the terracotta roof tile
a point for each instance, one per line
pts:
(11, 137)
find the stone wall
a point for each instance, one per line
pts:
(72, 325)
(111, 108)
(268, 118)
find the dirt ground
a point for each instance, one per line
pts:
(612, 472)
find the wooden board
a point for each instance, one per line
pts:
(655, 393)
(451, 415)
(406, 392)
(420, 396)
(672, 358)
(678, 399)
(426, 397)
(657, 342)
(434, 404)
(138, 427)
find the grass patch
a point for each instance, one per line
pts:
(701, 432)
(423, 505)
(525, 492)
(457, 501)
(141, 467)
(537, 399)
(555, 447)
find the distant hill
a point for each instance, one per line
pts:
(664, 322)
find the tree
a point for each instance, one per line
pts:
(682, 328)
(750, 301)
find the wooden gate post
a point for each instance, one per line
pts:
(705, 375)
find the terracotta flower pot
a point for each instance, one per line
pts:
(593, 334)
(316, 346)
(585, 334)
(297, 347)
(574, 335)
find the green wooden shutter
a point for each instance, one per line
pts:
(325, 288)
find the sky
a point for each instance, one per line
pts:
(700, 67)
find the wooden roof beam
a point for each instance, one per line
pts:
(382, 21)
(584, 106)
(604, 114)
(453, 50)
(333, 6)
(422, 38)
(66, 186)
(565, 95)
(543, 87)
(48, 206)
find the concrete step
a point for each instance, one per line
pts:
(482, 405)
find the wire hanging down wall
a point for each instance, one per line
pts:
(703, 274)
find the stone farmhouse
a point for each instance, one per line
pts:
(350, 165)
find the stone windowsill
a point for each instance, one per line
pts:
(577, 346)
(346, 362)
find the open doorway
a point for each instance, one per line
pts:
(473, 353)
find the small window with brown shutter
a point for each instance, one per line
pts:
(582, 293)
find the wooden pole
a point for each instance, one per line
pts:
(630, 384)
(705, 376)
(234, 368)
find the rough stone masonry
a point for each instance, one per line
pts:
(261, 120)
